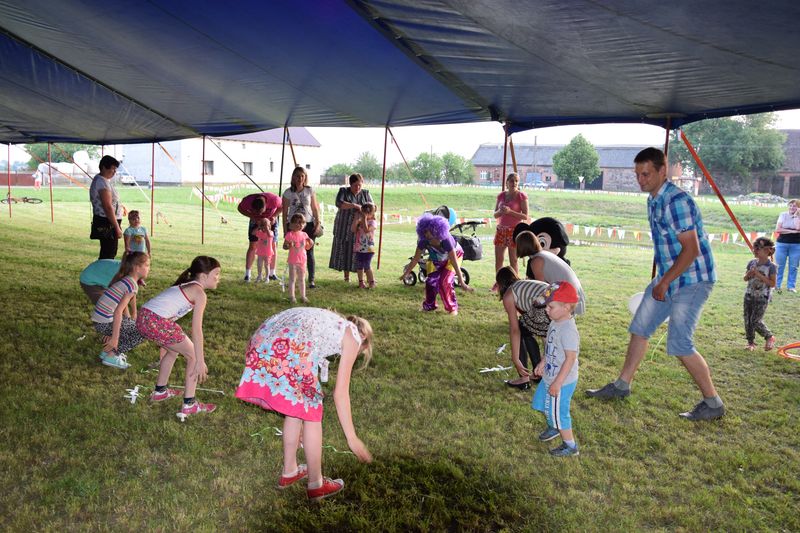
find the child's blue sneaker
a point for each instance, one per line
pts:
(119, 360)
(548, 434)
(564, 451)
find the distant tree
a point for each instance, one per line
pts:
(457, 169)
(737, 146)
(339, 169)
(428, 168)
(578, 158)
(368, 166)
(39, 152)
(398, 173)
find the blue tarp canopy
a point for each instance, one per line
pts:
(112, 71)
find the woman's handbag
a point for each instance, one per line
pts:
(102, 229)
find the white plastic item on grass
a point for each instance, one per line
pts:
(634, 302)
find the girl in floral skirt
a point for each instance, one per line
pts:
(281, 374)
(157, 322)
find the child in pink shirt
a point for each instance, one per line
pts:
(297, 242)
(263, 248)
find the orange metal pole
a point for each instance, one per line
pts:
(383, 187)
(152, 187)
(505, 155)
(202, 203)
(513, 155)
(716, 189)
(50, 172)
(8, 177)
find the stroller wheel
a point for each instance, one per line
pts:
(410, 280)
(422, 275)
(465, 275)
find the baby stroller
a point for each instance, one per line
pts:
(470, 243)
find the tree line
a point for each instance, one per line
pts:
(425, 168)
(738, 148)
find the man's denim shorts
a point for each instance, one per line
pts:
(683, 310)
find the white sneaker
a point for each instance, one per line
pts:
(120, 360)
(258, 279)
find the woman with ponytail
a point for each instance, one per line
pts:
(157, 322)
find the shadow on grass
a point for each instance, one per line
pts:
(403, 493)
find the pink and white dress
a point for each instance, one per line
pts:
(282, 361)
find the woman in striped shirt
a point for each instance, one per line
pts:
(526, 320)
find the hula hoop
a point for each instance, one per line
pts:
(783, 351)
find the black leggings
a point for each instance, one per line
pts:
(108, 248)
(309, 229)
(528, 347)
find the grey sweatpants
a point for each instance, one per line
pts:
(754, 310)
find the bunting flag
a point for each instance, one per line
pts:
(570, 229)
(711, 238)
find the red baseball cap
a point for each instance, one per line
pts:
(562, 291)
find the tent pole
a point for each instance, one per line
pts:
(8, 177)
(50, 172)
(383, 186)
(203, 190)
(716, 189)
(152, 186)
(291, 147)
(283, 154)
(668, 128)
(513, 155)
(505, 155)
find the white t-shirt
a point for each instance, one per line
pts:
(99, 183)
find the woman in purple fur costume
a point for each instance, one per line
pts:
(444, 256)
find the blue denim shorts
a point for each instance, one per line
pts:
(683, 310)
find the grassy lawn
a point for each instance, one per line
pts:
(454, 449)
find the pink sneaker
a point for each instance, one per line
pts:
(166, 394)
(198, 407)
(285, 481)
(770, 344)
(329, 488)
(750, 347)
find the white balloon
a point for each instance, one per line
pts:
(634, 301)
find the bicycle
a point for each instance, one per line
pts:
(23, 199)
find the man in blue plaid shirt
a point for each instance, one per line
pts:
(684, 282)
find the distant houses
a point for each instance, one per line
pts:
(535, 165)
(234, 159)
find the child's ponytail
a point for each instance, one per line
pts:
(129, 261)
(365, 331)
(202, 264)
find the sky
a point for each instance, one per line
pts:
(344, 145)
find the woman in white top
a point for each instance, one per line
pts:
(300, 198)
(787, 246)
(106, 209)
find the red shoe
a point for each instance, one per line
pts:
(166, 394)
(285, 481)
(329, 488)
(197, 407)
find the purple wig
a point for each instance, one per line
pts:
(438, 227)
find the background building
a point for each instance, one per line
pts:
(535, 166)
(226, 159)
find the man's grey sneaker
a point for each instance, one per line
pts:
(608, 392)
(702, 411)
(564, 451)
(548, 434)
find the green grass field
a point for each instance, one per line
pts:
(454, 449)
